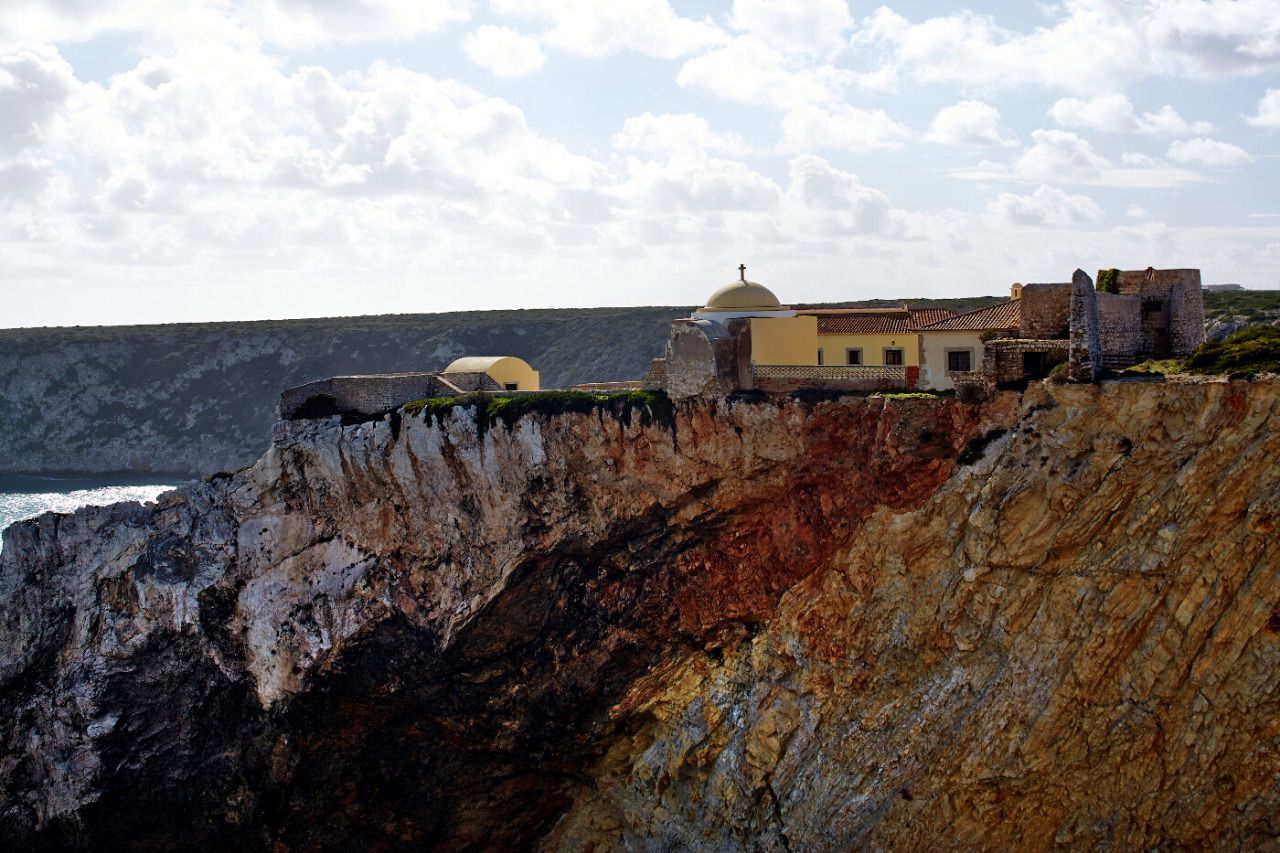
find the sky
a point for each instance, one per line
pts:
(220, 160)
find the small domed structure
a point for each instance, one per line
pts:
(743, 296)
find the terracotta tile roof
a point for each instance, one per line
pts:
(874, 321)
(1005, 315)
(925, 316)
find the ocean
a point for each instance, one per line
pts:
(25, 497)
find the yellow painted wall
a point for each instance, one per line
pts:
(517, 370)
(933, 372)
(872, 346)
(784, 340)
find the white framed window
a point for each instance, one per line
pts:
(893, 356)
(853, 356)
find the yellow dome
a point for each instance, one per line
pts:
(743, 296)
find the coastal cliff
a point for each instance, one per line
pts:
(760, 623)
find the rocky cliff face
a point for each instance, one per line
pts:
(757, 624)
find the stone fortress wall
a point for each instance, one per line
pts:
(1046, 310)
(367, 395)
(1121, 316)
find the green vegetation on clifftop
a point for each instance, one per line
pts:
(1246, 353)
(646, 406)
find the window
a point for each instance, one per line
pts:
(511, 386)
(960, 359)
(893, 357)
(821, 361)
(1152, 306)
(853, 356)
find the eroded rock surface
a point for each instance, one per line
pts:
(758, 624)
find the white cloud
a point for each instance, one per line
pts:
(671, 134)
(695, 183)
(830, 201)
(1046, 206)
(1139, 160)
(35, 83)
(1088, 48)
(969, 123)
(287, 23)
(503, 51)
(1059, 155)
(596, 28)
(840, 126)
(1115, 113)
(1064, 157)
(1214, 38)
(1268, 114)
(1087, 45)
(813, 26)
(304, 22)
(747, 69)
(1209, 152)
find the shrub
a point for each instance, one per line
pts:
(1108, 281)
(1241, 356)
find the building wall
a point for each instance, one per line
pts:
(933, 356)
(1046, 311)
(872, 346)
(784, 340)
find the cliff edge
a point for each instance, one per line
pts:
(764, 623)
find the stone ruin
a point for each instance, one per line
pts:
(1156, 314)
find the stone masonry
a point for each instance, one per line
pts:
(708, 359)
(1084, 358)
(367, 395)
(1157, 314)
(1046, 311)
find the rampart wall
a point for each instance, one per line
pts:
(362, 394)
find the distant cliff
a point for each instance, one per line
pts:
(201, 398)
(755, 624)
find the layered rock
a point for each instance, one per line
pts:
(744, 624)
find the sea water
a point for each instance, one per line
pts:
(27, 497)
